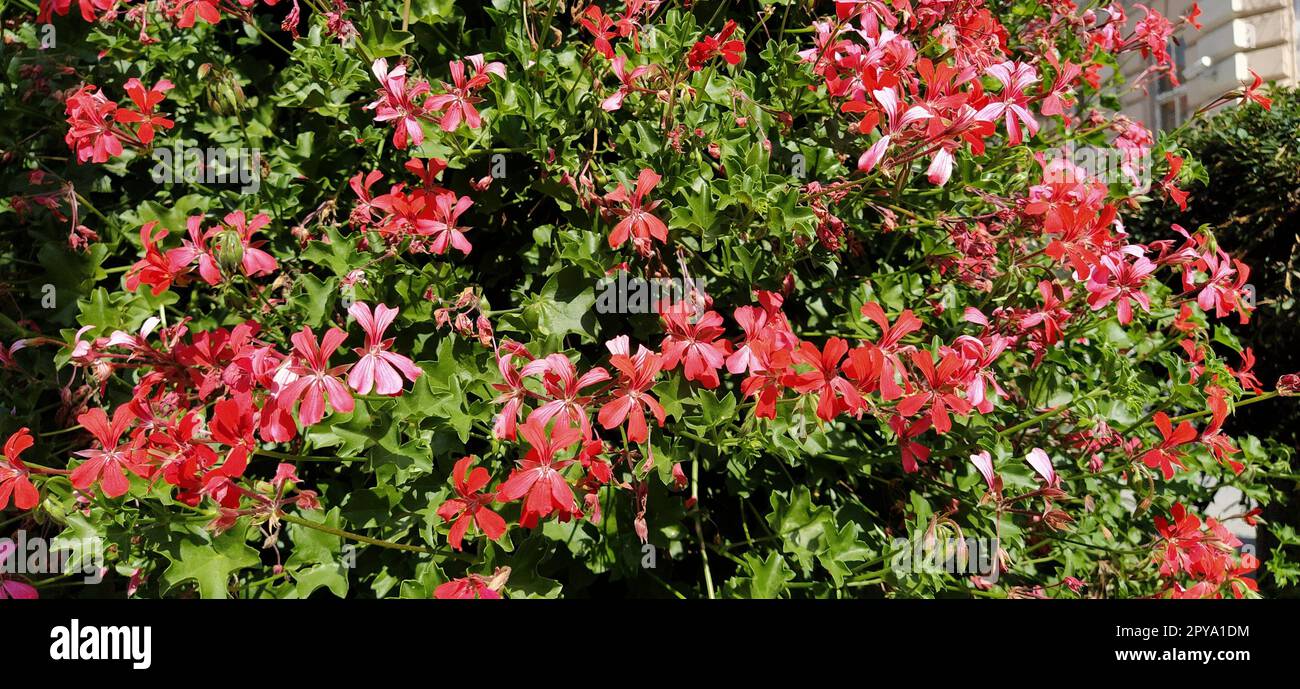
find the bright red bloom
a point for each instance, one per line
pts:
(106, 465)
(630, 399)
(232, 425)
(145, 102)
(472, 506)
(1251, 93)
(315, 377)
(722, 45)
(911, 451)
(1171, 178)
(769, 368)
(602, 27)
(835, 393)
(890, 346)
(695, 345)
(940, 394)
(637, 218)
(1164, 455)
(156, 269)
(378, 368)
(14, 477)
(91, 131)
(539, 474)
(189, 10)
(89, 9)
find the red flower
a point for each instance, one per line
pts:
(14, 477)
(941, 384)
(638, 221)
(471, 506)
(156, 269)
(1178, 195)
(890, 346)
(190, 9)
(315, 377)
(539, 474)
(105, 465)
(90, 127)
(630, 399)
(378, 368)
(910, 450)
(695, 345)
(602, 27)
(145, 102)
(1163, 455)
(721, 45)
(1251, 93)
(834, 392)
(232, 425)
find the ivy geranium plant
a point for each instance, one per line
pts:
(533, 299)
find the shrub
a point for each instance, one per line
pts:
(697, 299)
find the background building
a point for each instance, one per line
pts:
(1238, 36)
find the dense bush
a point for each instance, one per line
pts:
(411, 355)
(1246, 187)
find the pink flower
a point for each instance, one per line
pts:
(457, 104)
(315, 377)
(446, 212)
(631, 398)
(397, 103)
(1116, 279)
(1015, 78)
(897, 118)
(9, 588)
(90, 126)
(378, 368)
(1043, 465)
(984, 463)
(564, 385)
(626, 83)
